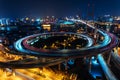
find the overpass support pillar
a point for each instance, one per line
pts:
(66, 66)
(43, 59)
(109, 57)
(117, 49)
(59, 67)
(90, 64)
(84, 60)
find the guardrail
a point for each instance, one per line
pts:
(108, 73)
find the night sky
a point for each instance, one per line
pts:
(59, 8)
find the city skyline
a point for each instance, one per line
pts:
(59, 8)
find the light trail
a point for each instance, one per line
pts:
(99, 48)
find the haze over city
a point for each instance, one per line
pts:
(59, 8)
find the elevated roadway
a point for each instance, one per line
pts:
(110, 41)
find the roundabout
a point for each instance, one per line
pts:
(55, 52)
(109, 42)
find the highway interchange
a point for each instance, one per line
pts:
(110, 41)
